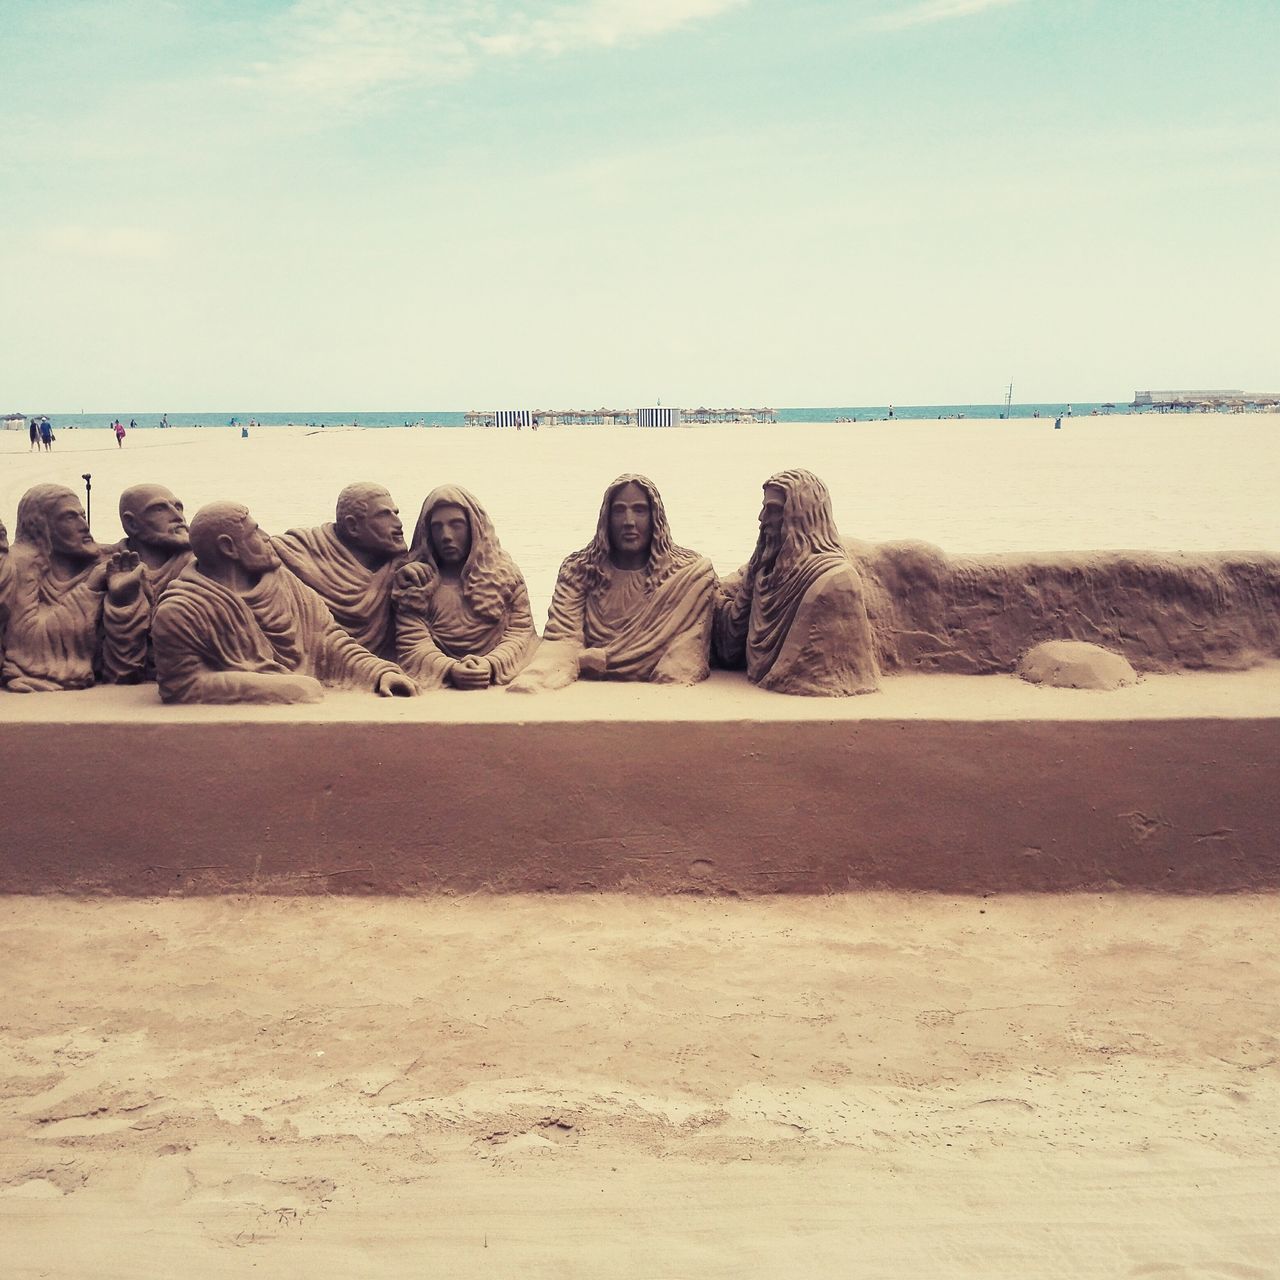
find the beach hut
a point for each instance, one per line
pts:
(658, 416)
(14, 422)
(513, 418)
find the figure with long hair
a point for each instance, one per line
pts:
(462, 607)
(77, 611)
(631, 605)
(796, 616)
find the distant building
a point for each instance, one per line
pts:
(1204, 401)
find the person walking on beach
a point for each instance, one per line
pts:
(46, 435)
(119, 433)
(33, 430)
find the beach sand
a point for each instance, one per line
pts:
(871, 1086)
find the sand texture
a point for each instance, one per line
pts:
(1163, 611)
(872, 1086)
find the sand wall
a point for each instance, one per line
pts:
(979, 614)
(717, 805)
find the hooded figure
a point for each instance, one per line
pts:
(462, 607)
(631, 605)
(796, 617)
(74, 607)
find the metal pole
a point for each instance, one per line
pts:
(87, 477)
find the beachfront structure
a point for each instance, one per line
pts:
(662, 417)
(1205, 401)
(657, 417)
(14, 422)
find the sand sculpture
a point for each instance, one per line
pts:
(794, 616)
(350, 563)
(155, 530)
(236, 626)
(977, 615)
(462, 607)
(76, 611)
(631, 605)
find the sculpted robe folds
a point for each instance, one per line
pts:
(207, 638)
(796, 616)
(154, 581)
(63, 631)
(358, 597)
(653, 623)
(485, 611)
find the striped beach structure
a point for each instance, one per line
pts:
(658, 416)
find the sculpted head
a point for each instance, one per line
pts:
(51, 519)
(449, 527)
(225, 537)
(796, 518)
(151, 515)
(630, 525)
(367, 519)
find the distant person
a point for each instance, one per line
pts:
(164, 420)
(891, 411)
(133, 424)
(46, 435)
(33, 430)
(1057, 423)
(119, 433)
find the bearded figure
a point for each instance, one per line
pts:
(236, 626)
(351, 563)
(796, 616)
(76, 610)
(631, 605)
(155, 530)
(462, 607)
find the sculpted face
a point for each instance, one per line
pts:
(69, 531)
(772, 509)
(253, 548)
(630, 521)
(154, 517)
(450, 530)
(380, 529)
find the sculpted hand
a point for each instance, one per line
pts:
(413, 585)
(395, 684)
(124, 577)
(593, 662)
(471, 672)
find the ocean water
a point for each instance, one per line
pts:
(456, 418)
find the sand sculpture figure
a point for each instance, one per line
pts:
(462, 607)
(631, 605)
(350, 563)
(236, 626)
(76, 610)
(6, 577)
(155, 530)
(795, 615)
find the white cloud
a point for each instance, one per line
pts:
(344, 50)
(929, 11)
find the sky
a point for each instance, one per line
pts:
(453, 204)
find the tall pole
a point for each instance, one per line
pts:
(87, 477)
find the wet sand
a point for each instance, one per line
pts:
(872, 1086)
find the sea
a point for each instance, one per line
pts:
(457, 418)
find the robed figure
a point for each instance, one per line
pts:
(796, 616)
(236, 626)
(631, 605)
(462, 607)
(155, 530)
(75, 609)
(350, 563)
